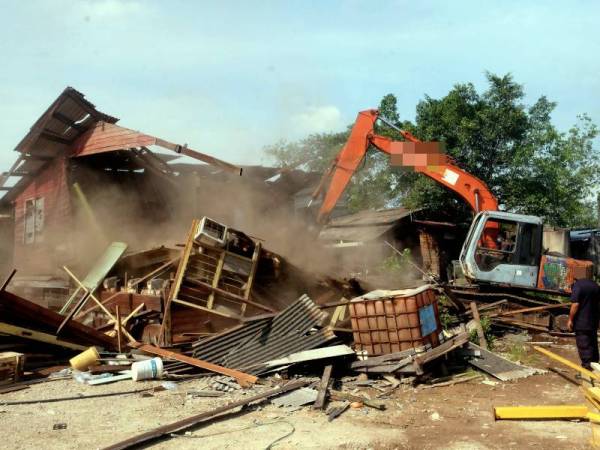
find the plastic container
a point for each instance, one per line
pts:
(147, 370)
(392, 321)
(85, 359)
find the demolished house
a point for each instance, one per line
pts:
(83, 181)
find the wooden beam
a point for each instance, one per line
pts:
(244, 379)
(216, 278)
(478, 327)
(208, 310)
(37, 336)
(189, 422)
(65, 120)
(323, 385)
(54, 138)
(451, 344)
(8, 279)
(184, 150)
(528, 310)
(165, 327)
(250, 281)
(229, 295)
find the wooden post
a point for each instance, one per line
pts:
(323, 385)
(480, 333)
(216, 278)
(255, 258)
(118, 314)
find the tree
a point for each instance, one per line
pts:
(529, 165)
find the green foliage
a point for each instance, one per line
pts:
(313, 153)
(397, 262)
(530, 166)
(486, 324)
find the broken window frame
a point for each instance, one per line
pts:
(33, 220)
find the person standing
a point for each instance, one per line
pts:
(583, 319)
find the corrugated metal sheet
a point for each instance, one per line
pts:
(247, 347)
(363, 226)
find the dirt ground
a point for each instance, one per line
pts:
(452, 417)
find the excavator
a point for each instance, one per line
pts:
(501, 248)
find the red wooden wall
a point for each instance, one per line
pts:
(54, 249)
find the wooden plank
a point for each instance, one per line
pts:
(242, 378)
(527, 310)
(98, 302)
(339, 395)
(37, 336)
(165, 327)
(250, 281)
(215, 281)
(118, 328)
(323, 385)
(208, 310)
(448, 346)
(229, 295)
(477, 320)
(8, 279)
(184, 424)
(15, 308)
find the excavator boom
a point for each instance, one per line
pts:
(409, 153)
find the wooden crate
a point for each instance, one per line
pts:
(11, 367)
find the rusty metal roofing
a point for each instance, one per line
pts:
(363, 226)
(247, 347)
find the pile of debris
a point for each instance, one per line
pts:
(223, 308)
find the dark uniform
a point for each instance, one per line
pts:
(585, 324)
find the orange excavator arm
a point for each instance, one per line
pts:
(467, 186)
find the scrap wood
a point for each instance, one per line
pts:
(451, 344)
(337, 410)
(37, 336)
(323, 385)
(568, 363)
(165, 327)
(518, 324)
(77, 397)
(478, 327)
(202, 417)
(452, 382)
(8, 279)
(527, 310)
(89, 294)
(97, 273)
(230, 295)
(17, 311)
(242, 378)
(339, 395)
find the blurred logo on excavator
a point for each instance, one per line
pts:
(418, 155)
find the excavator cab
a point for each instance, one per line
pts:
(513, 258)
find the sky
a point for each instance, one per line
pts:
(230, 77)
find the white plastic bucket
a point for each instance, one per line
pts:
(147, 370)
